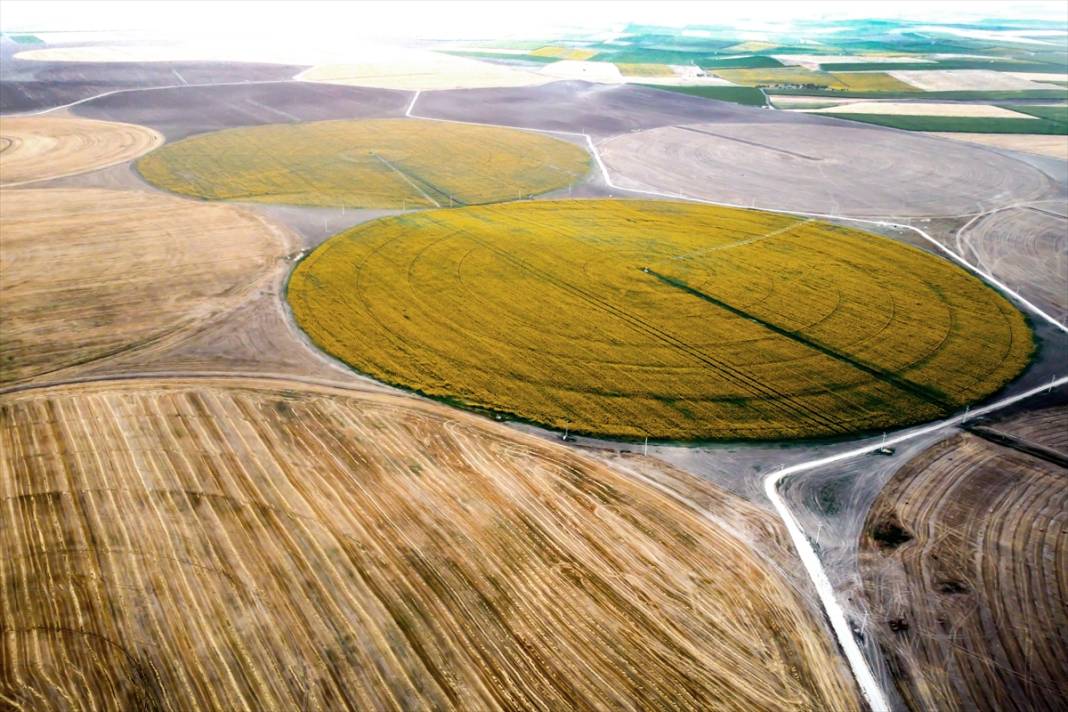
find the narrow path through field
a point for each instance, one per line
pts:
(407, 180)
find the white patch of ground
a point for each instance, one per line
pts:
(413, 69)
(812, 61)
(966, 80)
(601, 72)
(1019, 36)
(685, 75)
(916, 108)
(1055, 146)
(1039, 76)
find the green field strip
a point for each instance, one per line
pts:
(917, 390)
(957, 124)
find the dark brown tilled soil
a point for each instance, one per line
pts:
(596, 109)
(185, 111)
(31, 85)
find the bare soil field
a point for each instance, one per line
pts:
(91, 273)
(836, 168)
(965, 562)
(224, 544)
(181, 112)
(966, 80)
(1025, 246)
(597, 109)
(31, 85)
(39, 148)
(1054, 146)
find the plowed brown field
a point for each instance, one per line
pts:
(965, 561)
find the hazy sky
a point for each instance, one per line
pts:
(475, 19)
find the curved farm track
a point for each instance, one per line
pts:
(965, 563)
(215, 545)
(1027, 247)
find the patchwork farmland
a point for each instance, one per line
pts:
(186, 549)
(387, 163)
(317, 394)
(729, 324)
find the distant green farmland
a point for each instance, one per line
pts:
(748, 96)
(757, 61)
(997, 66)
(993, 95)
(959, 124)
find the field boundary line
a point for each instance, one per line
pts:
(42, 112)
(870, 688)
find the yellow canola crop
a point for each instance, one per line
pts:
(380, 163)
(666, 320)
(564, 53)
(645, 70)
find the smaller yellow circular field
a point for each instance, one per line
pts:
(34, 148)
(378, 163)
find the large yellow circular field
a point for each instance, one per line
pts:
(379, 163)
(666, 320)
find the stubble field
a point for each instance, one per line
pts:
(90, 273)
(666, 320)
(385, 163)
(232, 544)
(35, 148)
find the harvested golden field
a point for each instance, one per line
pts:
(239, 545)
(799, 76)
(1056, 146)
(417, 69)
(34, 148)
(379, 163)
(915, 108)
(645, 70)
(564, 53)
(965, 564)
(89, 273)
(666, 320)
